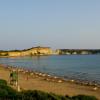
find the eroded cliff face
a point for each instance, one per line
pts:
(40, 51)
(31, 52)
(47, 51)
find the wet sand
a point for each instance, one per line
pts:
(28, 80)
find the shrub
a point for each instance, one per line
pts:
(83, 97)
(39, 95)
(3, 82)
(6, 91)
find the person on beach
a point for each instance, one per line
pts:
(14, 78)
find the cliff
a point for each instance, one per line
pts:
(27, 52)
(47, 51)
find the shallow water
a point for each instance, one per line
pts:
(82, 67)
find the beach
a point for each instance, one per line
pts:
(28, 80)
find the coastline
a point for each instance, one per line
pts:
(41, 81)
(52, 78)
(40, 51)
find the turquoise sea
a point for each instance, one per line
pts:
(81, 67)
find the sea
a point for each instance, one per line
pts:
(79, 67)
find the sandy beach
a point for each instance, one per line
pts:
(41, 81)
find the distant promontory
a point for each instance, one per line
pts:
(38, 51)
(27, 52)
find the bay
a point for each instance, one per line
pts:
(81, 67)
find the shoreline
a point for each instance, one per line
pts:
(36, 80)
(53, 78)
(45, 55)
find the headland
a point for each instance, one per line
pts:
(39, 51)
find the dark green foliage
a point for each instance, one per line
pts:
(39, 95)
(7, 93)
(83, 97)
(3, 82)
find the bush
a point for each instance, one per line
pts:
(6, 91)
(3, 82)
(39, 95)
(83, 97)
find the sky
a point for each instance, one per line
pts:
(70, 24)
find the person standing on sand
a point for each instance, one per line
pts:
(14, 78)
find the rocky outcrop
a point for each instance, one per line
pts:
(47, 51)
(28, 52)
